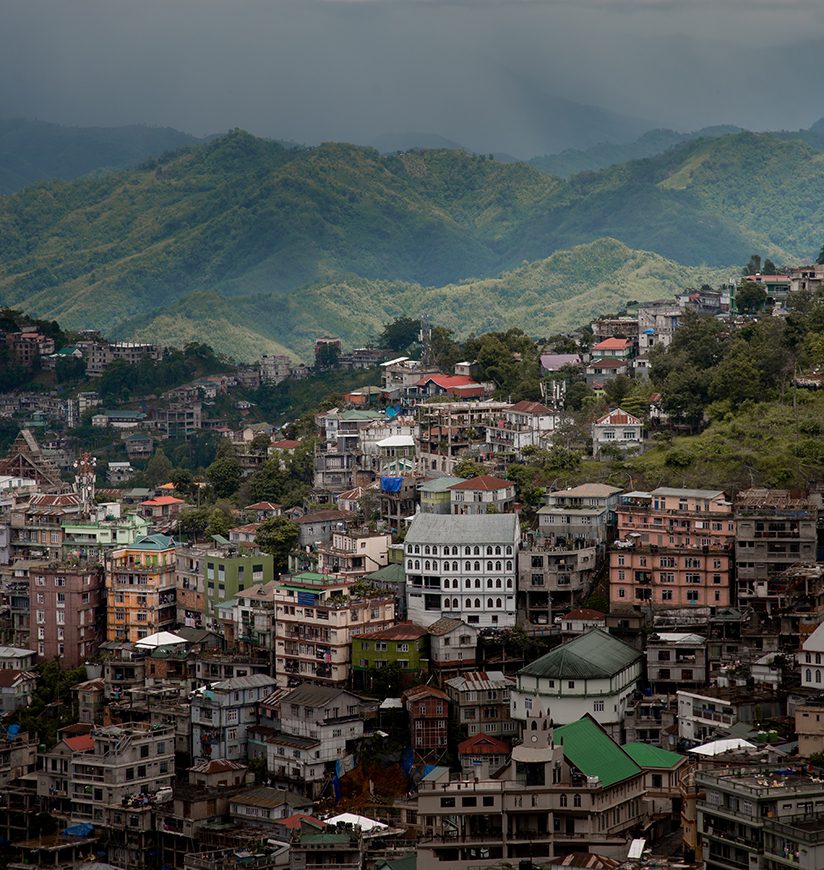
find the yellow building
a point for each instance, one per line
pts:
(140, 584)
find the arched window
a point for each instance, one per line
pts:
(426, 550)
(576, 800)
(534, 725)
(809, 675)
(497, 551)
(509, 551)
(476, 551)
(817, 675)
(498, 584)
(489, 583)
(455, 567)
(418, 564)
(562, 800)
(477, 583)
(455, 551)
(509, 566)
(467, 584)
(509, 583)
(489, 603)
(426, 565)
(477, 566)
(467, 551)
(454, 603)
(489, 551)
(497, 566)
(417, 548)
(478, 603)
(498, 603)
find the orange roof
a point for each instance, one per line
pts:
(613, 344)
(401, 631)
(448, 382)
(161, 500)
(485, 482)
(294, 821)
(166, 486)
(263, 506)
(584, 613)
(83, 743)
(285, 444)
(528, 407)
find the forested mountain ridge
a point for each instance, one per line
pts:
(241, 223)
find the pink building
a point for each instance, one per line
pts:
(65, 612)
(674, 549)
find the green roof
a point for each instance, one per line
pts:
(594, 655)
(405, 862)
(646, 755)
(325, 839)
(362, 415)
(588, 747)
(153, 542)
(392, 573)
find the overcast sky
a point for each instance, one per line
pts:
(496, 75)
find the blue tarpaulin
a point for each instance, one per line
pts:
(393, 411)
(391, 484)
(407, 760)
(336, 787)
(81, 830)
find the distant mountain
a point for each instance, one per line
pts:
(557, 293)
(287, 242)
(389, 143)
(32, 151)
(572, 161)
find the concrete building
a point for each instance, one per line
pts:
(92, 538)
(453, 646)
(447, 430)
(774, 530)
(657, 322)
(565, 791)
(594, 674)
(305, 734)
(140, 586)
(482, 495)
(222, 712)
(710, 713)
(462, 566)
(748, 818)
(809, 726)
(435, 495)
(316, 617)
(66, 611)
(404, 646)
(428, 711)
(524, 424)
(675, 549)
(479, 703)
(353, 554)
(676, 660)
(617, 430)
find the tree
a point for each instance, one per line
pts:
(260, 443)
(617, 389)
(192, 523)
(468, 467)
(753, 266)
(278, 536)
(158, 468)
(750, 298)
(769, 267)
(219, 523)
(224, 475)
(820, 258)
(326, 357)
(400, 333)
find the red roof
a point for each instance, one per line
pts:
(285, 444)
(249, 529)
(613, 344)
(296, 819)
(161, 500)
(418, 693)
(618, 417)
(448, 382)
(9, 678)
(401, 631)
(608, 363)
(482, 744)
(584, 613)
(527, 407)
(83, 743)
(485, 482)
(263, 506)
(325, 516)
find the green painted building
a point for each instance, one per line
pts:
(405, 645)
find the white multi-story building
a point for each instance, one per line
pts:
(524, 424)
(462, 566)
(593, 674)
(811, 661)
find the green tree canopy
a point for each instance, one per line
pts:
(400, 333)
(158, 468)
(224, 476)
(278, 536)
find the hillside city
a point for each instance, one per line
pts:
(436, 602)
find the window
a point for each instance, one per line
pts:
(598, 706)
(447, 802)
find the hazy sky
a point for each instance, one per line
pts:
(493, 74)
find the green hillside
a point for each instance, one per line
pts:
(286, 242)
(32, 151)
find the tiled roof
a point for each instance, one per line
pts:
(325, 517)
(285, 444)
(613, 344)
(216, 765)
(608, 363)
(485, 482)
(417, 693)
(83, 743)
(618, 417)
(446, 624)
(527, 407)
(263, 506)
(594, 655)
(161, 500)
(9, 678)
(448, 382)
(589, 748)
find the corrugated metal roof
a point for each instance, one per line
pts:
(647, 755)
(596, 654)
(463, 529)
(481, 681)
(587, 746)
